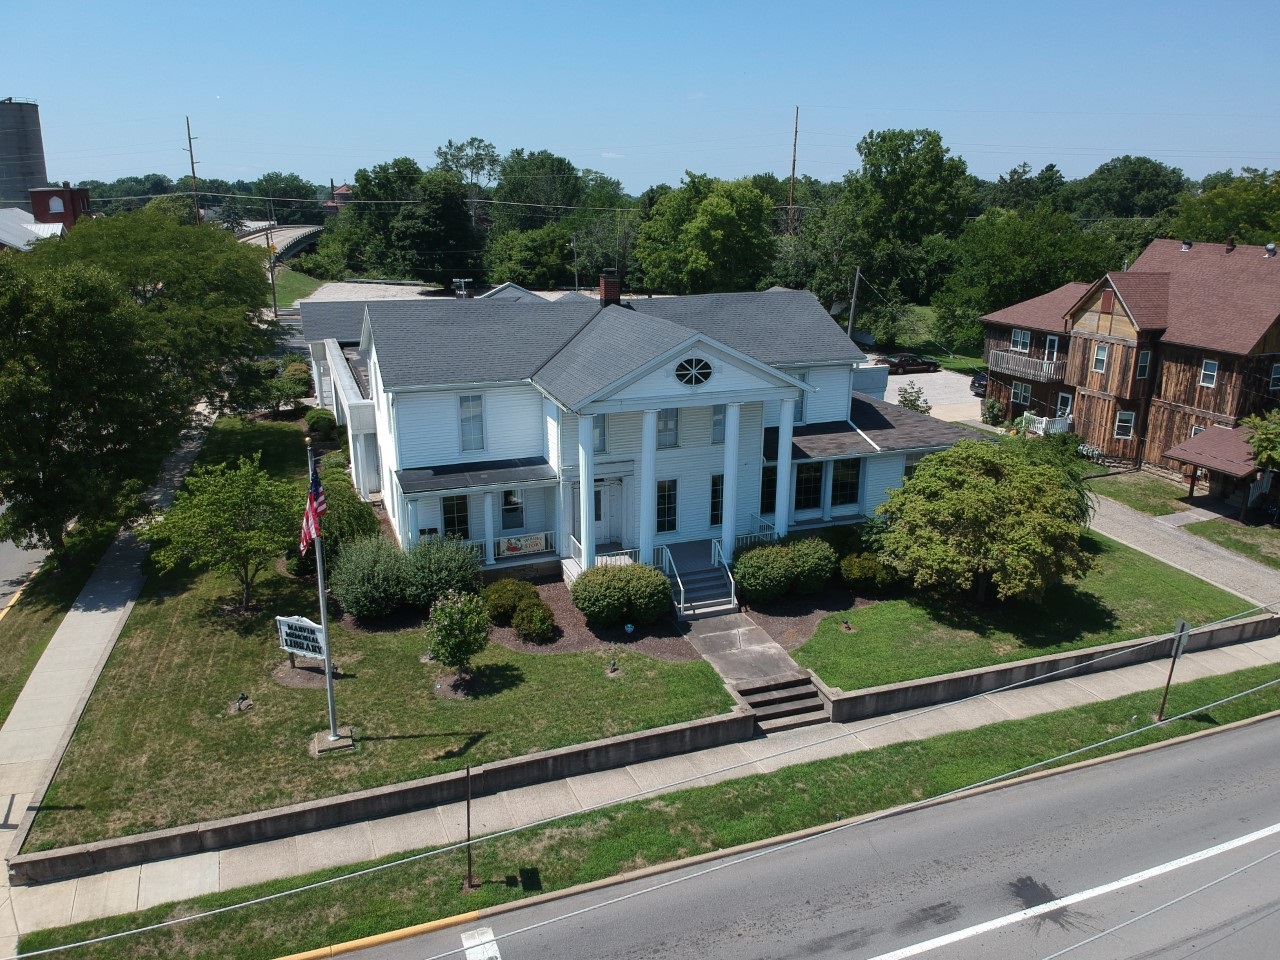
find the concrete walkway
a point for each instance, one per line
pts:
(1166, 541)
(139, 887)
(45, 715)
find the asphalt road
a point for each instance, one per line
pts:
(15, 566)
(1005, 859)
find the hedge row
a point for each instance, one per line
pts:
(631, 593)
(375, 578)
(767, 572)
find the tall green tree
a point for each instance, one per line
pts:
(983, 517)
(1264, 438)
(235, 520)
(709, 236)
(1247, 208)
(1125, 187)
(534, 189)
(202, 292)
(535, 259)
(433, 239)
(287, 198)
(83, 404)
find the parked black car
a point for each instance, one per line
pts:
(909, 363)
(978, 385)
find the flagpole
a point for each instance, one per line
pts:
(324, 609)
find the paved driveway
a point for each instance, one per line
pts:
(947, 391)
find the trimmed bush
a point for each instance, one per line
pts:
(633, 593)
(764, 573)
(459, 630)
(815, 563)
(867, 574)
(504, 597)
(335, 460)
(298, 375)
(348, 517)
(368, 578)
(534, 621)
(435, 567)
(321, 423)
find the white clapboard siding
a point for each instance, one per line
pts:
(880, 475)
(430, 426)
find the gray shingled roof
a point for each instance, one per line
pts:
(889, 427)
(340, 320)
(422, 343)
(615, 343)
(481, 473)
(773, 326)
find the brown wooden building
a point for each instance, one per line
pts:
(1186, 339)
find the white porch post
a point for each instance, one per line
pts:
(488, 528)
(729, 487)
(828, 474)
(564, 518)
(782, 502)
(648, 484)
(587, 495)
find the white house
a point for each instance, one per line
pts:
(668, 430)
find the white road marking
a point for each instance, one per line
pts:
(924, 947)
(480, 945)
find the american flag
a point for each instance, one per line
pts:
(316, 508)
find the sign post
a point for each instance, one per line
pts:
(1180, 635)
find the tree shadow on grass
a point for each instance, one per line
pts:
(1066, 615)
(491, 679)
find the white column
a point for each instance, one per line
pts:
(648, 484)
(587, 495)
(782, 503)
(729, 489)
(564, 518)
(488, 528)
(828, 474)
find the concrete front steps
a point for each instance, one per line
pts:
(707, 593)
(783, 702)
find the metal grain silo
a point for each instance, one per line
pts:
(21, 152)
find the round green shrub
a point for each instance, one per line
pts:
(764, 573)
(321, 423)
(815, 563)
(601, 596)
(298, 374)
(504, 597)
(534, 621)
(459, 629)
(368, 578)
(435, 567)
(867, 574)
(335, 460)
(648, 592)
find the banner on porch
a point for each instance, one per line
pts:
(529, 543)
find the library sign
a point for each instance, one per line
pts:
(301, 636)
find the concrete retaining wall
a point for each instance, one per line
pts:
(46, 866)
(897, 697)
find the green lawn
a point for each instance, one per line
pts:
(1142, 491)
(157, 748)
(291, 286)
(1126, 595)
(1260, 543)
(593, 846)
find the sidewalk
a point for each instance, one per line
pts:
(1165, 541)
(139, 887)
(45, 715)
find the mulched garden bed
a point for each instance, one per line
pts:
(792, 620)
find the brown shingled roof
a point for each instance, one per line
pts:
(1045, 312)
(1218, 449)
(1146, 296)
(1217, 299)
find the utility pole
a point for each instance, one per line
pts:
(791, 199)
(853, 298)
(195, 184)
(462, 286)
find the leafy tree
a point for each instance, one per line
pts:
(127, 193)
(458, 630)
(176, 205)
(536, 259)
(202, 292)
(83, 406)
(433, 239)
(1247, 208)
(985, 515)
(534, 189)
(476, 161)
(1125, 187)
(708, 236)
(236, 521)
(1264, 438)
(287, 198)
(911, 397)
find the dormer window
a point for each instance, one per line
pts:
(693, 371)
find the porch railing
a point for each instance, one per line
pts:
(575, 550)
(759, 531)
(663, 561)
(617, 558)
(1020, 365)
(1045, 426)
(717, 559)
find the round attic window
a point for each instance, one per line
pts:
(693, 371)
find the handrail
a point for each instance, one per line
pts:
(717, 558)
(575, 550)
(668, 566)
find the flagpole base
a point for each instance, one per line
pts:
(321, 744)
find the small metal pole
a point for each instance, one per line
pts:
(471, 880)
(1180, 634)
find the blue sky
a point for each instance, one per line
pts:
(641, 91)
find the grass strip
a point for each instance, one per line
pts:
(1257, 543)
(291, 286)
(598, 845)
(1142, 492)
(1126, 595)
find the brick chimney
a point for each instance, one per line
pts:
(610, 287)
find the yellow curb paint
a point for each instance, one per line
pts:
(12, 600)
(391, 936)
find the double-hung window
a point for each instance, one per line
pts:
(454, 516)
(798, 415)
(1020, 340)
(717, 423)
(1144, 364)
(845, 475)
(1275, 376)
(717, 499)
(471, 421)
(768, 488)
(1208, 373)
(1022, 393)
(1124, 425)
(1099, 358)
(668, 427)
(808, 493)
(666, 506)
(600, 433)
(512, 510)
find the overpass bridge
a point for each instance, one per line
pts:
(288, 241)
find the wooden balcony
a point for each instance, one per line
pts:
(1027, 368)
